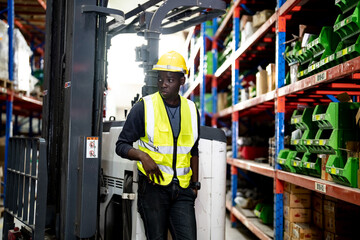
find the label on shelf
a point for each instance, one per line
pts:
(295, 119)
(342, 23)
(321, 77)
(344, 51)
(320, 187)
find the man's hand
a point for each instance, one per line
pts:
(151, 168)
(195, 192)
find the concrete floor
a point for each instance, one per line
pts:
(239, 233)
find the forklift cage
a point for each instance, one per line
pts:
(27, 173)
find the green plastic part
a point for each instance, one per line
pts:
(343, 170)
(284, 160)
(325, 44)
(346, 5)
(258, 208)
(290, 53)
(346, 52)
(296, 162)
(311, 164)
(267, 214)
(209, 63)
(348, 26)
(336, 123)
(287, 79)
(304, 55)
(336, 115)
(302, 119)
(327, 62)
(328, 140)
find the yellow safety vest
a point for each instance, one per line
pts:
(159, 141)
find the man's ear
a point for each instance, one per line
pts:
(182, 80)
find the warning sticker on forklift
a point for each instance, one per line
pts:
(92, 147)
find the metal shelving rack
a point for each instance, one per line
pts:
(15, 103)
(315, 89)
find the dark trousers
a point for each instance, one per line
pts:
(166, 207)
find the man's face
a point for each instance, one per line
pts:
(169, 84)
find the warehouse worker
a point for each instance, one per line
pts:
(167, 126)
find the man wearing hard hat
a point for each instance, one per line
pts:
(167, 126)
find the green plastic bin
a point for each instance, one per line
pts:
(311, 164)
(343, 170)
(284, 160)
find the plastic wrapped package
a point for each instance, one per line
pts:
(293, 73)
(247, 32)
(4, 51)
(22, 69)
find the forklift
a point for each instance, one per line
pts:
(70, 184)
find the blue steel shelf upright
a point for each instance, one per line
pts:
(235, 98)
(203, 75)
(279, 123)
(10, 97)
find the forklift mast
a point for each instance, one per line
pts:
(77, 40)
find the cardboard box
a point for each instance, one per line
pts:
(317, 203)
(297, 215)
(353, 149)
(304, 231)
(271, 78)
(339, 226)
(287, 226)
(222, 100)
(331, 236)
(291, 188)
(297, 200)
(244, 20)
(340, 210)
(261, 82)
(324, 175)
(318, 219)
(260, 17)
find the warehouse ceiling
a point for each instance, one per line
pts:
(30, 19)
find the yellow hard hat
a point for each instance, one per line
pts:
(171, 62)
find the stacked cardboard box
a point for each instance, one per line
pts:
(317, 200)
(297, 203)
(340, 219)
(304, 231)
